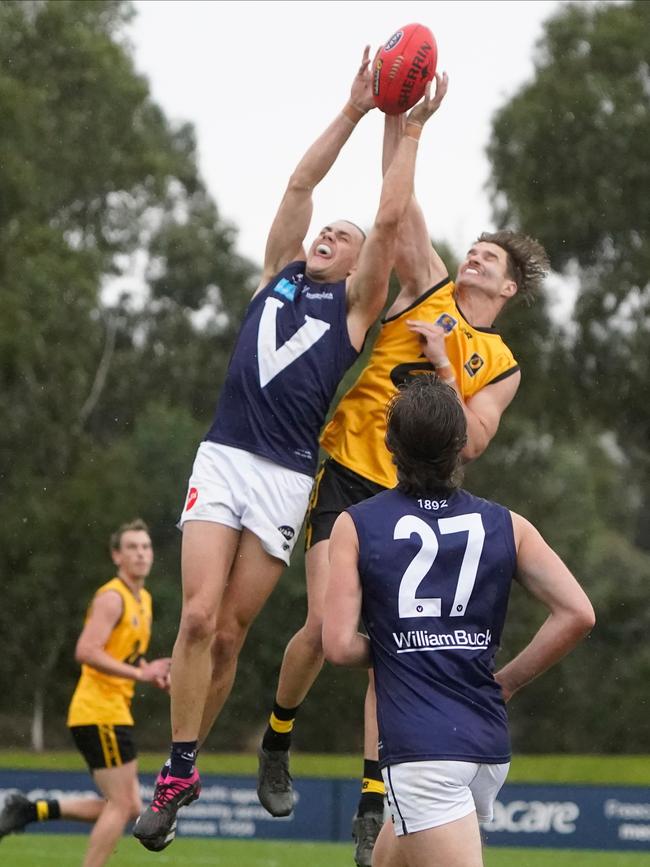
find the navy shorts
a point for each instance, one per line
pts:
(335, 489)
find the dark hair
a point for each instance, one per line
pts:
(116, 537)
(527, 261)
(426, 433)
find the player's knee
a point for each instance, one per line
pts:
(226, 645)
(312, 634)
(197, 625)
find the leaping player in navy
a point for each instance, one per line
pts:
(253, 473)
(428, 567)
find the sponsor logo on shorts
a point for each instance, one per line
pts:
(474, 364)
(192, 497)
(288, 533)
(446, 322)
(418, 640)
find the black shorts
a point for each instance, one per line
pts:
(335, 488)
(104, 746)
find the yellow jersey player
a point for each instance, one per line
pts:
(435, 323)
(111, 650)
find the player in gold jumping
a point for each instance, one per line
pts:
(111, 651)
(438, 324)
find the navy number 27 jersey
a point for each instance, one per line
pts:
(436, 577)
(292, 351)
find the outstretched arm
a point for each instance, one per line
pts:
(417, 264)
(285, 240)
(368, 285)
(571, 618)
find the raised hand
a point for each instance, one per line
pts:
(361, 92)
(428, 105)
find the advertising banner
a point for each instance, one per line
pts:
(551, 816)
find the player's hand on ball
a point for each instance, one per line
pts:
(429, 104)
(361, 92)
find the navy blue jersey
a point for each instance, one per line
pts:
(291, 353)
(436, 577)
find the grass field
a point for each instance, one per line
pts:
(66, 851)
(606, 770)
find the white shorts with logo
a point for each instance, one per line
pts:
(239, 489)
(423, 795)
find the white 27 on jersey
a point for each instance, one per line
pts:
(410, 605)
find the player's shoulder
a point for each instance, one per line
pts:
(110, 597)
(113, 584)
(377, 502)
(466, 501)
(408, 301)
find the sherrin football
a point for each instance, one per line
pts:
(402, 68)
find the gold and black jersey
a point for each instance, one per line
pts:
(103, 698)
(355, 435)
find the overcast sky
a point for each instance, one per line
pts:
(261, 80)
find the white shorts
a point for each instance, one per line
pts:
(239, 489)
(423, 795)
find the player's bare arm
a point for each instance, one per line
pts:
(343, 644)
(571, 615)
(368, 285)
(483, 410)
(105, 613)
(291, 223)
(417, 264)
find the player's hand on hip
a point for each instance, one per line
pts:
(361, 92)
(428, 105)
(432, 339)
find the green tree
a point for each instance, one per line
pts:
(569, 159)
(102, 403)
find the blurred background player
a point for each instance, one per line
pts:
(429, 568)
(253, 475)
(433, 323)
(111, 651)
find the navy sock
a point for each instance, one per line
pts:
(183, 756)
(372, 788)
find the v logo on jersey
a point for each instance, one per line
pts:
(272, 360)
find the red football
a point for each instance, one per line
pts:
(402, 68)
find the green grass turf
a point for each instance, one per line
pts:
(32, 850)
(606, 770)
